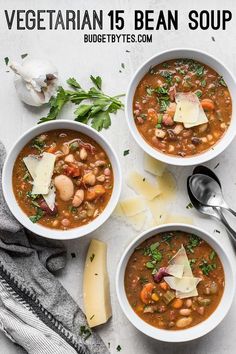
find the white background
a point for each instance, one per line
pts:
(74, 58)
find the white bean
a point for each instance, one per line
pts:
(185, 312)
(184, 322)
(78, 198)
(83, 154)
(70, 158)
(89, 178)
(65, 222)
(65, 187)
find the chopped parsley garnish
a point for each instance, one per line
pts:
(35, 218)
(206, 268)
(189, 206)
(199, 70)
(6, 59)
(85, 331)
(24, 55)
(159, 121)
(92, 257)
(164, 104)
(212, 255)
(167, 75)
(193, 242)
(32, 196)
(118, 348)
(26, 176)
(126, 152)
(198, 93)
(217, 231)
(203, 83)
(192, 262)
(73, 209)
(38, 144)
(97, 81)
(122, 65)
(222, 81)
(155, 255)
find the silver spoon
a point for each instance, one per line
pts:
(215, 213)
(208, 192)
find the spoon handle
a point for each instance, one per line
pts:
(231, 211)
(226, 224)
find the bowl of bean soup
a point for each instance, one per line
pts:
(175, 282)
(180, 107)
(61, 180)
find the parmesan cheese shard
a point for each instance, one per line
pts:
(96, 291)
(153, 166)
(180, 258)
(158, 213)
(202, 119)
(133, 206)
(31, 162)
(43, 174)
(118, 212)
(176, 270)
(142, 186)
(187, 109)
(167, 186)
(183, 285)
(137, 221)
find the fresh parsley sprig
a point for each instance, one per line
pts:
(96, 112)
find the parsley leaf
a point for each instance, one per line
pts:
(96, 112)
(6, 59)
(206, 268)
(39, 214)
(193, 242)
(85, 332)
(24, 55)
(97, 81)
(126, 152)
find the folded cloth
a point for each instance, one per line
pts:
(36, 312)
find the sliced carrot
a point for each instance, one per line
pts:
(52, 149)
(152, 115)
(177, 303)
(95, 192)
(207, 104)
(164, 285)
(146, 293)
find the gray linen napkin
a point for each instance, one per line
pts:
(36, 312)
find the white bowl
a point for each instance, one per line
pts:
(18, 212)
(200, 56)
(200, 329)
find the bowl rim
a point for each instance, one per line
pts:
(203, 327)
(207, 155)
(19, 214)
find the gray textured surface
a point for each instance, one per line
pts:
(73, 57)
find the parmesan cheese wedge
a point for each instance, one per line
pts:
(153, 166)
(31, 162)
(142, 186)
(133, 206)
(187, 109)
(167, 186)
(44, 171)
(186, 287)
(202, 119)
(183, 285)
(181, 258)
(96, 292)
(137, 221)
(176, 270)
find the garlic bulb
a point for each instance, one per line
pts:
(35, 80)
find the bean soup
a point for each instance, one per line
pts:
(62, 179)
(155, 106)
(159, 297)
